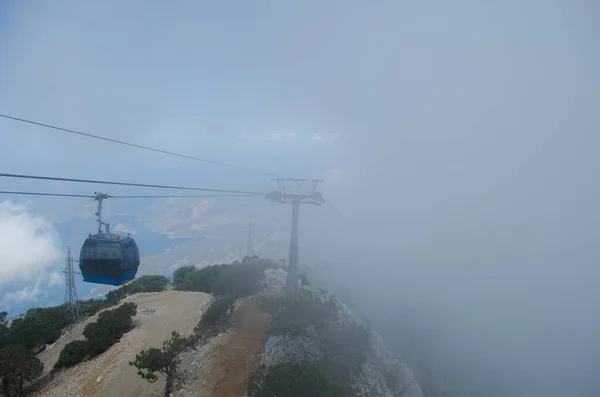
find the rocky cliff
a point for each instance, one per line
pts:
(381, 374)
(267, 332)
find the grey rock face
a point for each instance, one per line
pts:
(283, 349)
(274, 280)
(382, 375)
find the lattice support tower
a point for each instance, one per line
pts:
(71, 299)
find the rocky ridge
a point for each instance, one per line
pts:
(381, 374)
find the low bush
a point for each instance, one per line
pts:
(180, 274)
(141, 284)
(18, 366)
(237, 279)
(73, 353)
(148, 284)
(153, 360)
(343, 345)
(292, 380)
(296, 316)
(39, 326)
(90, 307)
(116, 295)
(110, 327)
(100, 335)
(216, 315)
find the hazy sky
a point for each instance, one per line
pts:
(459, 138)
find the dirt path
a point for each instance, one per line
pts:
(223, 367)
(110, 373)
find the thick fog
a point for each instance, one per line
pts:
(473, 194)
(459, 139)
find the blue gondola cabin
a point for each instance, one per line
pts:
(109, 259)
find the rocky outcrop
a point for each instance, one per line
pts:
(274, 280)
(284, 349)
(384, 375)
(381, 375)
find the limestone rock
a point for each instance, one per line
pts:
(286, 348)
(274, 280)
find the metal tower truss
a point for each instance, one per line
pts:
(71, 299)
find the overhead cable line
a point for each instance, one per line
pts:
(51, 178)
(136, 145)
(185, 196)
(125, 197)
(48, 194)
(335, 210)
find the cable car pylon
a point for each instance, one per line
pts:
(309, 197)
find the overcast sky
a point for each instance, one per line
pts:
(459, 138)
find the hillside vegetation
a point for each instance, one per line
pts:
(100, 335)
(227, 283)
(342, 350)
(311, 348)
(249, 339)
(31, 332)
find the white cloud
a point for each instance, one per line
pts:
(28, 245)
(55, 279)
(30, 293)
(122, 228)
(283, 136)
(27, 294)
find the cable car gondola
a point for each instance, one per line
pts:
(108, 258)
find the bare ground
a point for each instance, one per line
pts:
(158, 314)
(222, 368)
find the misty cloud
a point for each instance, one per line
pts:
(459, 139)
(30, 294)
(28, 243)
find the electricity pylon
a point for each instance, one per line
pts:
(71, 298)
(284, 197)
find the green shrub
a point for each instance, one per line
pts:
(17, 366)
(73, 353)
(237, 279)
(110, 327)
(160, 360)
(116, 295)
(148, 284)
(90, 307)
(180, 274)
(39, 326)
(295, 316)
(201, 280)
(4, 335)
(291, 380)
(141, 284)
(99, 338)
(343, 345)
(216, 314)
(153, 360)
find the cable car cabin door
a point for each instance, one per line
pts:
(132, 259)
